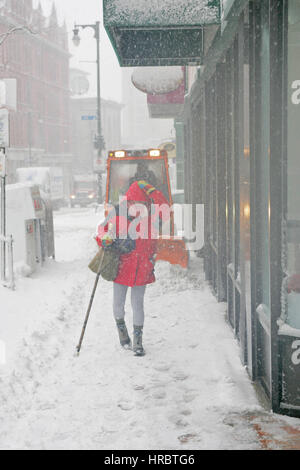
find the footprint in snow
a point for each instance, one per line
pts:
(62, 315)
(159, 394)
(47, 406)
(189, 397)
(138, 387)
(126, 406)
(180, 376)
(186, 438)
(178, 421)
(186, 412)
(162, 367)
(159, 341)
(103, 431)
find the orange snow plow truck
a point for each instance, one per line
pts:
(123, 168)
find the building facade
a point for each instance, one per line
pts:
(240, 138)
(34, 51)
(241, 120)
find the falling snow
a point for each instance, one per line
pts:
(152, 12)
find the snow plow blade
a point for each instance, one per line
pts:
(172, 250)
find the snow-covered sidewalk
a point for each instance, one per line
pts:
(188, 392)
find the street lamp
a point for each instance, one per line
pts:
(100, 139)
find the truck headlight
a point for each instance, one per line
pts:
(154, 153)
(120, 154)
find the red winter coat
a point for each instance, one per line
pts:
(137, 267)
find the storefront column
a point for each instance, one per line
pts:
(221, 183)
(289, 331)
(180, 156)
(208, 209)
(276, 152)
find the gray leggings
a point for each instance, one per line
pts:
(137, 302)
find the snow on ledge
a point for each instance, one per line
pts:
(160, 13)
(287, 330)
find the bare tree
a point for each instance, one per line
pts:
(13, 30)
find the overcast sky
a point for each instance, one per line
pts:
(83, 12)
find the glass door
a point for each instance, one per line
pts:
(262, 194)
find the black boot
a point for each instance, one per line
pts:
(123, 333)
(138, 341)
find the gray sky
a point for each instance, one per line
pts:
(83, 12)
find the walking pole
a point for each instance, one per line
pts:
(3, 230)
(78, 349)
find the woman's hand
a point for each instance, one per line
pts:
(106, 241)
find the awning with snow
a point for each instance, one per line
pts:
(157, 80)
(154, 33)
(166, 106)
(165, 88)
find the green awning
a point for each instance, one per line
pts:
(159, 33)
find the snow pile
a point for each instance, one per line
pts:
(38, 175)
(157, 80)
(287, 330)
(156, 12)
(39, 298)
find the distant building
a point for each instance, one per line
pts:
(38, 58)
(84, 130)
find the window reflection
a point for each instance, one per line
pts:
(124, 172)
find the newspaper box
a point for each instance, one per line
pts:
(47, 228)
(24, 215)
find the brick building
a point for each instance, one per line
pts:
(37, 56)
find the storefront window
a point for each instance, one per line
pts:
(264, 161)
(293, 167)
(125, 172)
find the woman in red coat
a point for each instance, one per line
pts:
(136, 269)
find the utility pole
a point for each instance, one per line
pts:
(99, 141)
(4, 143)
(3, 213)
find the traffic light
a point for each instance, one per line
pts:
(96, 141)
(99, 142)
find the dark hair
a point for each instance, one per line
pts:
(143, 173)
